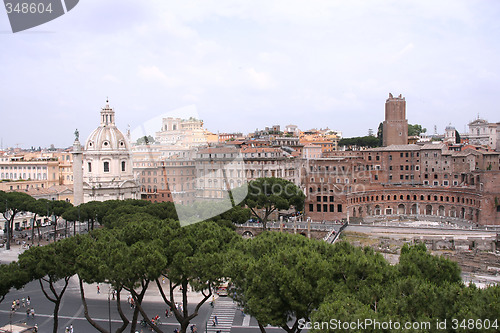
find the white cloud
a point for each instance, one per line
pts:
(276, 60)
(156, 75)
(260, 80)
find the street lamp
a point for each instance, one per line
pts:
(7, 222)
(109, 307)
(32, 225)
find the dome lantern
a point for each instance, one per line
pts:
(107, 115)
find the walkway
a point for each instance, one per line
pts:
(225, 310)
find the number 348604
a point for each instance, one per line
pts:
(28, 8)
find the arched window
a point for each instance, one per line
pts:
(106, 166)
(123, 166)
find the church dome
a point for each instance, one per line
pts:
(107, 137)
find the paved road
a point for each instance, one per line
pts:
(230, 318)
(396, 230)
(72, 310)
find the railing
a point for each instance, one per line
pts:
(316, 226)
(333, 236)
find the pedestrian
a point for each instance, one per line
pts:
(213, 322)
(66, 330)
(216, 321)
(35, 329)
(166, 313)
(28, 311)
(71, 328)
(98, 289)
(23, 301)
(28, 301)
(18, 303)
(32, 312)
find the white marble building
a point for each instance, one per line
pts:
(107, 163)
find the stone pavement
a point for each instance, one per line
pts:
(152, 294)
(8, 256)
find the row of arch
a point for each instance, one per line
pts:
(415, 197)
(425, 209)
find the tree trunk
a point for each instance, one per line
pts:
(138, 300)
(120, 312)
(86, 310)
(56, 299)
(38, 229)
(262, 329)
(56, 315)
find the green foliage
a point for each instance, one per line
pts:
(145, 140)
(11, 276)
(416, 261)
(415, 130)
(361, 141)
(271, 194)
(380, 134)
(458, 138)
(278, 277)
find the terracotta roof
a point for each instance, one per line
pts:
(260, 150)
(218, 150)
(396, 148)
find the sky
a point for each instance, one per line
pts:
(244, 65)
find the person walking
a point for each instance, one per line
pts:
(32, 312)
(216, 320)
(71, 328)
(28, 301)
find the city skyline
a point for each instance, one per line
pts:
(250, 65)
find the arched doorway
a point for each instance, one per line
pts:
(428, 210)
(401, 209)
(413, 209)
(441, 210)
(453, 212)
(247, 234)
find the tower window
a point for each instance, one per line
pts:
(106, 166)
(90, 167)
(123, 165)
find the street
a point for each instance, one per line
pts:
(72, 312)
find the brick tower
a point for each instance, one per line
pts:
(395, 126)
